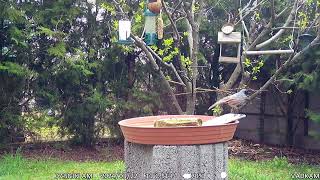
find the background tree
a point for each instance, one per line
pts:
(61, 60)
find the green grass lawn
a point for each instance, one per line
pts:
(278, 168)
(19, 168)
(15, 167)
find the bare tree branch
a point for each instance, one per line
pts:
(284, 67)
(173, 101)
(248, 12)
(119, 7)
(173, 25)
(170, 66)
(282, 12)
(281, 31)
(237, 71)
(176, 8)
(273, 11)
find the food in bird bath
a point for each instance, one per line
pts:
(215, 121)
(175, 122)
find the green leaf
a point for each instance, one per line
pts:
(217, 110)
(59, 50)
(46, 31)
(14, 68)
(109, 7)
(168, 42)
(247, 62)
(161, 52)
(313, 116)
(138, 18)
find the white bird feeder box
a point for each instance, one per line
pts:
(124, 32)
(230, 39)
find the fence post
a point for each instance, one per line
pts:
(261, 116)
(306, 119)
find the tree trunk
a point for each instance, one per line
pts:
(214, 80)
(194, 47)
(193, 39)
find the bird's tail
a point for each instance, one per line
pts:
(215, 104)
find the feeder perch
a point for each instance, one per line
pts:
(124, 32)
(269, 52)
(231, 38)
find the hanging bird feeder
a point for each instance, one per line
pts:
(150, 27)
(227, 40)
(124, 32)
(304, 40)
(151, 12)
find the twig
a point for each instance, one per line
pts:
(247, 13)
(244, 26)
(171, 66)
(162, 78)
(176, 8)
(179, 19)
(281, 13)
(175, 82)
(176, 73)
(216, 90)
(280, 32)
(277, 87)
(118, 6)
(201, 90)
(174, 27)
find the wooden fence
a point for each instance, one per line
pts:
(280, 118)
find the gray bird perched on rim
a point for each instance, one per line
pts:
(234, 100)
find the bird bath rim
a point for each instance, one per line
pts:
(126, 124)
(140, 130)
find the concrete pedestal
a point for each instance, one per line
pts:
(176, 162)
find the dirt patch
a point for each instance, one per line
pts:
(106, 151)
(109, 150)
(254, 151)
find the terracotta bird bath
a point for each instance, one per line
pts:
(175, 153)
(140, 130)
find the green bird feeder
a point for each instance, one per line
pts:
(150, 26)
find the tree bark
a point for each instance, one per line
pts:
(193, 39)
